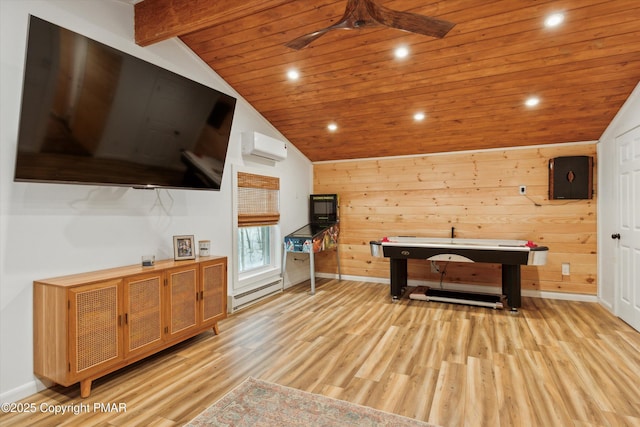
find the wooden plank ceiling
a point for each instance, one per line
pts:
(471, 85)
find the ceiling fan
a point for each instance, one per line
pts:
(367, 14)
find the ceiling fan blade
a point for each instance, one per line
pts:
(367, 13)
(303, 41)
(409, 21)
(344, 23)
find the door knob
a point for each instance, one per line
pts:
(615, 236)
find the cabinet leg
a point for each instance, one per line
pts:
(85, 388)
(216, 329)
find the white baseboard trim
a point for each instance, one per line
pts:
(25, 390)
(354, 278)
(469, 288)
(607, 305)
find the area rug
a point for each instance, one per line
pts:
(257, 403)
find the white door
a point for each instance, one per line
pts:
(628, 150)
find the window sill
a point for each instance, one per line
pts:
(258, 277)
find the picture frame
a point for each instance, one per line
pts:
(184, 247)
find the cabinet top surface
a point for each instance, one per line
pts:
(125, 271)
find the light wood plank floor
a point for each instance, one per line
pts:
(555, 363)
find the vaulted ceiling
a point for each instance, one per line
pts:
(471, 85)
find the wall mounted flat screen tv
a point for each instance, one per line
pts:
(91, 114)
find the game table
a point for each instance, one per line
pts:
(510, 253)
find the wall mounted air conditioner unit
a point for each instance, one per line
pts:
(256, 144)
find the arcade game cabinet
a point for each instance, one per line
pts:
(319, 235)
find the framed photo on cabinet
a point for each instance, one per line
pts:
(183, 247)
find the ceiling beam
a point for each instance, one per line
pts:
(157, 20)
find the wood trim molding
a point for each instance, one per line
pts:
(157, 20)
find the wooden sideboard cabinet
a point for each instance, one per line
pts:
(88, 325)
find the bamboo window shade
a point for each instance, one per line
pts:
(258, 200)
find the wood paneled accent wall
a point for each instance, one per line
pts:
(478, 194)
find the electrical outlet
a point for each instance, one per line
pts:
(523, 189)
(434, 267)
(566, 269)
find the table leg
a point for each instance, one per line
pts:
(511, 285)
(284, 260)
(398, 275)
(312, 270)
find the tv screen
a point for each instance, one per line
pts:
(94, 115)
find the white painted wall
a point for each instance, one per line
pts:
(48, 230)
(608, 265)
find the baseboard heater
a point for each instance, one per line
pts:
(254, 295)
(424, 293)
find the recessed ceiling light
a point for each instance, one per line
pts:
(418, 117)
(532, 102)
(554, 20)
(401, 52)
(293, 74)
(332, 127)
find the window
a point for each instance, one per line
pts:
(254, 248)
(258, 214)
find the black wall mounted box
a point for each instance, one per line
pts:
(571, 177)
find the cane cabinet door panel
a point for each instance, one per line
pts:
(143, 312)
(95, 336)
(182, 304)
(213, 296)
